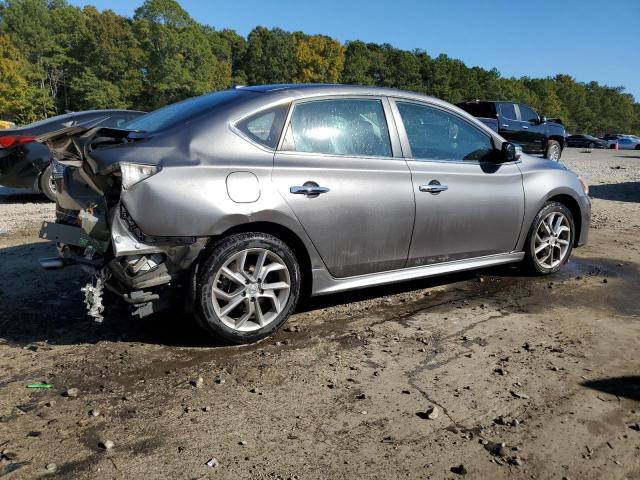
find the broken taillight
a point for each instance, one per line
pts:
(9, 141)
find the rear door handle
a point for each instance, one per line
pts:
(525, 126)
(308, 190)
(433, 188)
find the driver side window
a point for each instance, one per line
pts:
(435, 134)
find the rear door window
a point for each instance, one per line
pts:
(265, 127)
(507, 110)
(435, 134)
(352, 127)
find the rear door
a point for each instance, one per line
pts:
(339, 167)
(467, 205)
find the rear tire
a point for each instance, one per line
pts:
(247, 287)
(637, 147)
(554, 150)
(47, 185)
(550, 239)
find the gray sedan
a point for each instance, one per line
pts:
(239, 202)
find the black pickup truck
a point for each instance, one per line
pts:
(520, 124)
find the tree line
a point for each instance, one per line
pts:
(56, 57)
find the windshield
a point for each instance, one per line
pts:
(181, 112)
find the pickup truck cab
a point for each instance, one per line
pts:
(520, 124)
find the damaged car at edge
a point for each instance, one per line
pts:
(236, 203)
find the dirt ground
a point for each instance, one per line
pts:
(531, 377)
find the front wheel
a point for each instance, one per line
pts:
(554, 150)
(247, 287)
(550, 239)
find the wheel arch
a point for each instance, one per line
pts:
(558, 138)
(285, 234)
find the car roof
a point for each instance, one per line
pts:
(309, 90)
(304, 89)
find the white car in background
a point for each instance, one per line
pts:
(627, 142)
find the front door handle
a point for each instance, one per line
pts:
(308, 189)
(525, 126)
(433, 188)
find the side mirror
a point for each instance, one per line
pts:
(542, 120)
(511, 152)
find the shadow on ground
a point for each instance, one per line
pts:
(627, 387)
(620, 192)
(20, 195)
(47, 306)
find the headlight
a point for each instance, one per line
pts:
(585, 187)
(133, 173)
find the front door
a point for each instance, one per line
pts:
(509, 125)
(337, 171)
(532, 129)
(467, 204)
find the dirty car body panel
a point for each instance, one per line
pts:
(358, 210)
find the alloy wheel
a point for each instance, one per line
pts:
(554, 152)
(552, 240)
(251, 289)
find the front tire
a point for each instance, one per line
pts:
(550, 239)
(554, 150)
(47, 185)
(247, 287)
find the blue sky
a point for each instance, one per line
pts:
(589, 40)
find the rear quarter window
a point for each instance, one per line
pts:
(479, 109)
(265, 127)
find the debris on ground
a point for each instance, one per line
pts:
(107, 445)
(198, 382)
(213, 463)
(40, 385)
(71, 393)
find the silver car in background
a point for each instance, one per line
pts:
(239, 202)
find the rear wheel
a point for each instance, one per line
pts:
(637, 147)
(550, 239)
(47, 185)
(247, 287)
(554, 150)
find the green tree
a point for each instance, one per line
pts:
(178, 62)
(318, 58)
(269, 57)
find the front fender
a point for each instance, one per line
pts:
(544, 180)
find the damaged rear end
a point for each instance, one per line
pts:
(94, 229)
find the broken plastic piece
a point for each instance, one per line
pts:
(93, 296)
(213, 463)
(39, 385)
